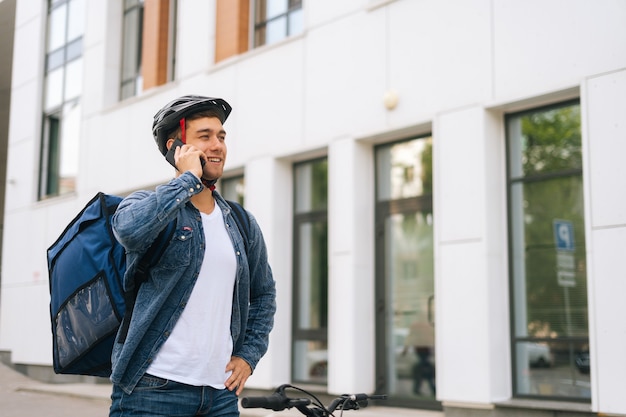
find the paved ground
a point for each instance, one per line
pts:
(21, 396)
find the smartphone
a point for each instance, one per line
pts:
(169, 156)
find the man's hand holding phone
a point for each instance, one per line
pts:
(185, 158)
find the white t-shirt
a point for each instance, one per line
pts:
(200, 346)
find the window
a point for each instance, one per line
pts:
(310, 307)
(233, 188)
(276, 19)
(132, 81)
(63, 87)
(148, 45)
(405, 320)
(547, 252)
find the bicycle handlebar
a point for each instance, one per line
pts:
(279, 401)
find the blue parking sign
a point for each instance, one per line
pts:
(564, 235)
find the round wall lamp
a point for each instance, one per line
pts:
(390, 99)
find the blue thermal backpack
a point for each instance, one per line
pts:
(88, 304)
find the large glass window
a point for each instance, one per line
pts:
(310, 307)
(132, 81)
(405, 322)
(148, 45)
(276, 19)
(547, 246)
(63, 87)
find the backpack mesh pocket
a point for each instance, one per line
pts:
(84, 320)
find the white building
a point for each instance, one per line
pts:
(411, 162)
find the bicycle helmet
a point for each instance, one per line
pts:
(168, 118)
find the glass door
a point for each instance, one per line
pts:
(406, 366)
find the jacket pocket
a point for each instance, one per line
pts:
(178, 252)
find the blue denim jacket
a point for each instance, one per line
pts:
(161, 299)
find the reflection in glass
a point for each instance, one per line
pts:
(311, 362)
(56, 27)
(552, 310)
(74, 49)
(404, 170)
(68, 167)
(131, 50)
(296, 21)
(554, 369)
(405, 277)
(275, 30)
(311, 186)
(54, 88)
(548, 253)
(50, 156)
(60, 136)
(313, 276)
(310, 307)
(73, 79)
(55, 59)
(276, 19)
(275, 7)
(76, 21)
(409, 276)
(545, 141)
(233, 188)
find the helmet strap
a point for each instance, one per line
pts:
(182, 130)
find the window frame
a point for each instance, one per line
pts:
(319, 334)
(384, 209)
(69, 52)
(511, 181)
(259, 24)
(134, 81)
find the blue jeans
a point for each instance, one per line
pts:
(158, 397)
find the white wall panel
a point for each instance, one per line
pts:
(33, 346)
(459, 168)
(471, 275)
(607, 332)
(269, 198)
(606, 132)
(351, 268)
(321, 12)
(28, 43)
(21, 178)
(604, 137)
(438, 56)
(268, 102)
(462, 351)
(345, 79)
(549, 45)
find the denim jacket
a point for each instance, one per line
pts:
(162, 297)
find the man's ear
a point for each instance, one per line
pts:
(169, 142)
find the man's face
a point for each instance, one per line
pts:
(208, 135)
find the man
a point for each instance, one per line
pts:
(201, 321)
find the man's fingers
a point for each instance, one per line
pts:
(240, 373)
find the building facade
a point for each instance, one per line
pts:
(438, 182)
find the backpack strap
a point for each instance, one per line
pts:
(242, 220)
(154, 252)
(150, 258)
